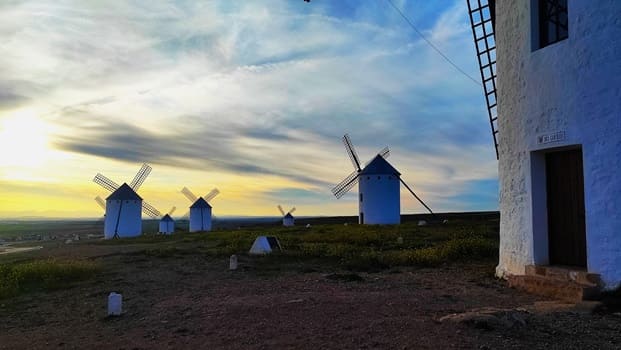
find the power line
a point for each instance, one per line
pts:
(431, 44)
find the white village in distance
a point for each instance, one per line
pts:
(550, 80)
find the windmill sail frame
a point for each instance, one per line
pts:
(352, 179)
(482, 15)
(138, 180)
(211, 195)
(189, 195)
(142, 174)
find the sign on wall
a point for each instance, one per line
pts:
(551, 137)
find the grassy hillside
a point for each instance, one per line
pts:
(318, 247)
(358, 247)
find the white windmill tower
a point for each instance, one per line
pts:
(124, 206)
(559, 132)
(378, 188)
(167, 223)
(287, 218)
(200, 210)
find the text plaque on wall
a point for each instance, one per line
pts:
(556, 136)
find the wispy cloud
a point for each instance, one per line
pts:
(255, 88)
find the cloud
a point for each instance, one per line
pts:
(255, 88)
(196, 147)
(10, 99)
(296, 195)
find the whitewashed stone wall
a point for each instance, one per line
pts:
(573, 86)
(129, 222)
(200, 219)
(167, 227)
(380, 199)
(288, 221)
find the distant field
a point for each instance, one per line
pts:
(47, 229)
(32, 230)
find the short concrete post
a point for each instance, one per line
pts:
(233, 262)
(115, 304)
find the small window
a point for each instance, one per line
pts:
(360, 197)
(379, 177)
(552, 21)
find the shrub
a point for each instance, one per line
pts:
(160, 252)
(42, 275)
(469, 248)
(459, 249)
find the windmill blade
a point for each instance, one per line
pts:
(281, 211)
(150, 210)
(349, 146)
(188, 194)
(384, 153)
(101, 202)
(345, 185)
(105, 183)
(211, 195)
(172, 210)
(140, 177)
(415, 196)
(292, 210)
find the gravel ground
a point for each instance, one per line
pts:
(192, 301)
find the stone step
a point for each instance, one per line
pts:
(564, 290)
(562, 273)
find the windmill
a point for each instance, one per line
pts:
(124, 205)
(287, 218)
(200, 210)
(167, 224)
(556, 202)
(378, 187)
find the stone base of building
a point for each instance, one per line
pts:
(563, 283)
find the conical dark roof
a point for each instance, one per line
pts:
(379, 165)
(124, 193)
(289, 216)
(167, 218)
(200, 203)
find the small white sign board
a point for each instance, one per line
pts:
(556, 136)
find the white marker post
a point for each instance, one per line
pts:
(115, 304)
(233, 262)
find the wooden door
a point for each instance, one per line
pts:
(565, 199)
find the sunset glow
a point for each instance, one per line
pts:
(251, 97)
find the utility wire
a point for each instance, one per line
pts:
(431, 44)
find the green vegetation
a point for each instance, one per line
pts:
(16, 229)
(355, 247)
(45, 229)
(17, 278)
(316, 248)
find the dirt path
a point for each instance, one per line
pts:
(193, 302)
(12, 250)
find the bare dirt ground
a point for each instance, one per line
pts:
(192, 301)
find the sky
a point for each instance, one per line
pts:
(251, 97)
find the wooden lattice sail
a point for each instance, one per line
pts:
(482, 18)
